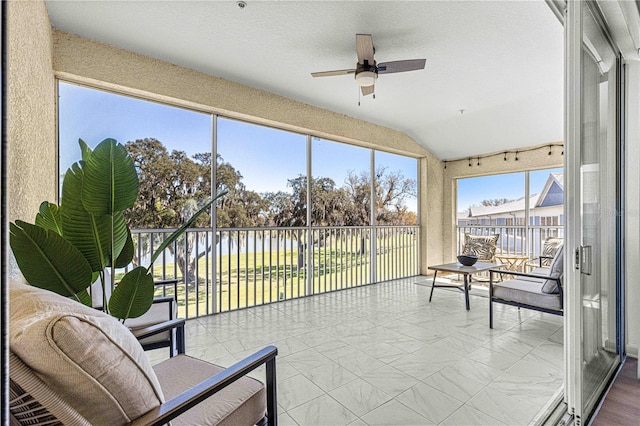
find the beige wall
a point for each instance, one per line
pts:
(31, 128)
(530, 160)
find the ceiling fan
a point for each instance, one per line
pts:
(367, 70)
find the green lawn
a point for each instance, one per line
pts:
(249, 279)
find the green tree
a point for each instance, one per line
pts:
(172, 187)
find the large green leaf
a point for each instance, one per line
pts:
(110, 182)
(49, 217)
(90, 235)
(85, 298)
(175, 234)
(126, 255)
(47, 260)
(134, 294)
(84, 149)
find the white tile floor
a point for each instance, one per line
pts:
(384, 355)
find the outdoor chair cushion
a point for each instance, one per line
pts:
(550, 248)
(157, 313)
(243, 403)
(556, 271)
(526, 292)
(91, 359)
(483, 246)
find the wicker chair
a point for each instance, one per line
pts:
(70, 364)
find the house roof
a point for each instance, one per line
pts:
(542, 199)
(493, 70)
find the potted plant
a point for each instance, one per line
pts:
(71, 245)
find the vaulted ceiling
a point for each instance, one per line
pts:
(493, 79)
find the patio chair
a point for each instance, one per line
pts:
(71, 364)
(540, 290)
(164, 308)
(549, 250)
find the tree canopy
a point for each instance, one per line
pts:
(173, 185)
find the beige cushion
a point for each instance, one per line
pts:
(483, 246)
(88, 357)
(241, 403)
(158, 313)
(556, 271)
(527, 292)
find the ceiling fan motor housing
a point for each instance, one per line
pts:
(366, 74)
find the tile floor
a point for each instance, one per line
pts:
(384, 355)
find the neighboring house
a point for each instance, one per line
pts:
(545, 209)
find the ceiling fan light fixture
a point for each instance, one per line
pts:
(366, 78)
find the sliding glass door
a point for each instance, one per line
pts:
(593, 141)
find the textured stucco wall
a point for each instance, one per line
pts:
(90, 62)
(531, 160)
(80, 59)
(31, 128)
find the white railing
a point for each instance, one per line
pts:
(244, 267)
(516, 240)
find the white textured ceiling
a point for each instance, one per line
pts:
(499, 61)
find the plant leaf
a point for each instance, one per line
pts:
(134, 294)
(49, 217)
(110, 182)
(90, 235)
(49, 261)
(85, 298)
(126, 255)
(84, 149)
(175, 234)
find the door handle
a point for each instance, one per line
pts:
(583, 259)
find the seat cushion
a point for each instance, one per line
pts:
(526, 292)
(536, 271)
(90, 359)
(483, 246)
(241, 403)
(158, 313)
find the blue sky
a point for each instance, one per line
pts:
(265, 157)
(510, 185)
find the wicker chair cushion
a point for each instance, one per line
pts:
(483, 246)
(91, 360)
(242, 403)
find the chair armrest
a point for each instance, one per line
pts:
(165, 283)
(191, 397)
(522, 274)
(163, 299)
(152, 330)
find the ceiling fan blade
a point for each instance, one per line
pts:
(364, 47)
(330, 73)
(367, 90)
(401, 66)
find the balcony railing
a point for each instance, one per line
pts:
(516, 240)
(243, 267)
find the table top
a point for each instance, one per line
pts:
(461, 269)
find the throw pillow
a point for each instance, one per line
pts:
(483, 246)
(556, 271)
(87, 357)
